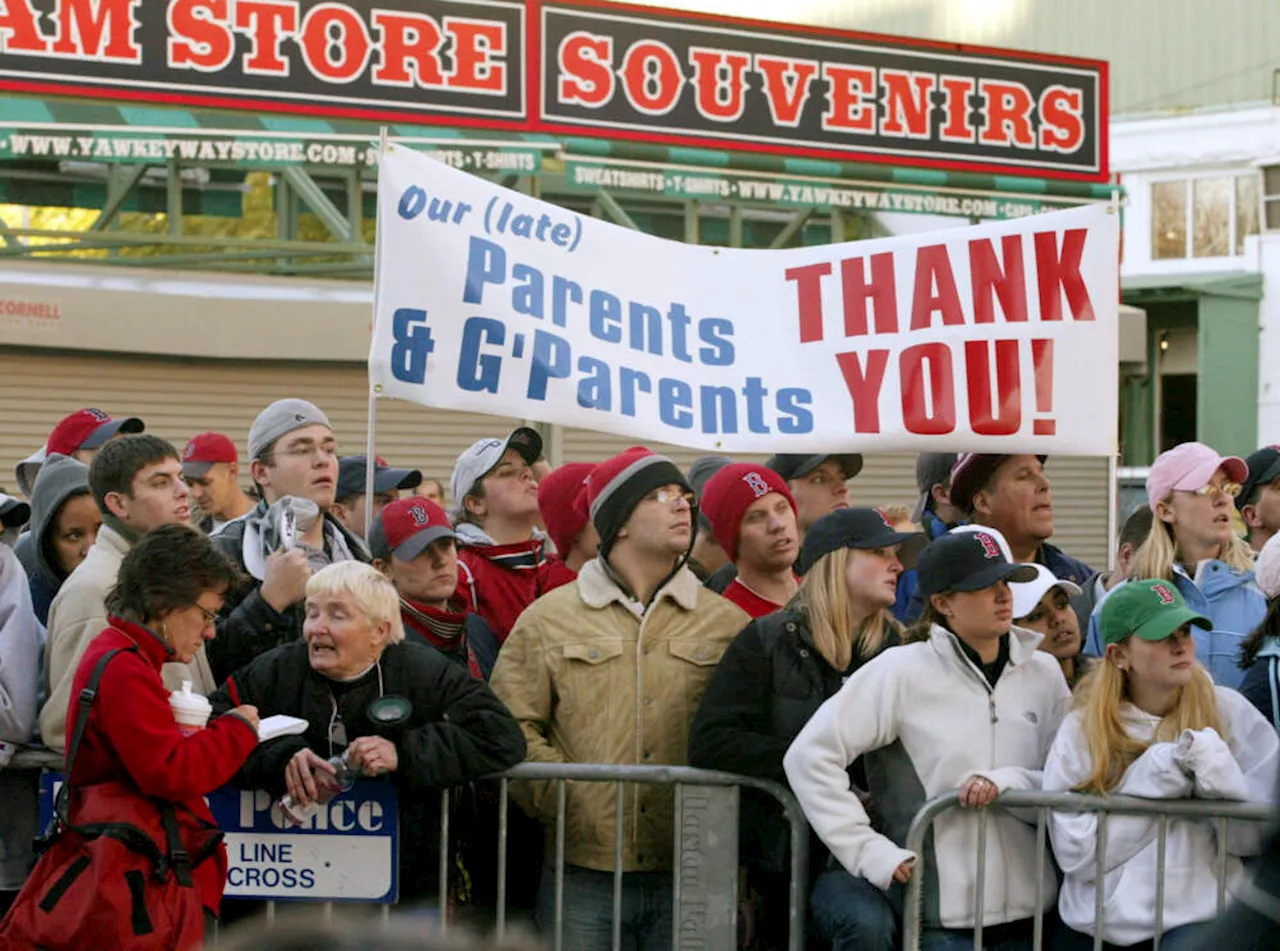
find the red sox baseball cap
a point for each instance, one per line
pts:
(967, 561)
(88, 429)
(405, 527)
(1152, 610)
(205, 450)
(863, 528)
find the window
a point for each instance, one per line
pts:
(1246, 209)
(1169, 220)
(1271, 201)
(1206, 217)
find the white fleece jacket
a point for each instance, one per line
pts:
(1201, 766)
(930, 698)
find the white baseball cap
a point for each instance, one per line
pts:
(1027, 594)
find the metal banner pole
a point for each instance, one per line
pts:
(370, 441)
(1113, 478)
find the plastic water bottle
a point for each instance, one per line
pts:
(284, 812)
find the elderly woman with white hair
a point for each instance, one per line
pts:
(397, 709)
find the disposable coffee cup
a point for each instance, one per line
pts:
(190, 709)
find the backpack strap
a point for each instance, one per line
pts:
(61, 805)
(179, 858)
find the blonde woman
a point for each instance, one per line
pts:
(1150, 722)
(1193, 544)
(973, 708)
(773, 677)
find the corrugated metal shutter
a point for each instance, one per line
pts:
(585, 445)
(178, 398)
(1079, 486)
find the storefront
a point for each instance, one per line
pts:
(229, 258)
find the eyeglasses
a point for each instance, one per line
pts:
(665, 496)
(210, 617)
(1229, 489)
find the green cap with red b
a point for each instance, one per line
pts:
(1151, 609)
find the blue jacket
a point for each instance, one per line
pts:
(934, 527)
(1230, 599)
(1261, 682)
(1055, 559)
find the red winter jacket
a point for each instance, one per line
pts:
(499, 581)
(133, 738)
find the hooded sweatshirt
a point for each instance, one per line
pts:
(21, 638)
(61, 478)
(1200, 765)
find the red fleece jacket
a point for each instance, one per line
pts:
(132, 737)
(499, 581)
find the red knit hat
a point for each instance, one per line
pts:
(729, 493)
(616, 486)
(562, 500)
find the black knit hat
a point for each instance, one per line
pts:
(617, 485)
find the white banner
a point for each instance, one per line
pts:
(998, 338)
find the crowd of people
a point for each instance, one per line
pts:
(739, 617)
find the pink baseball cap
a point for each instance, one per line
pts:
(1188, 467)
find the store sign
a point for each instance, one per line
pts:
(663, 74)
(587, 177)
(999, 337)
(575, 68)
(244, 150)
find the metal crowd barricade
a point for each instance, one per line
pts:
(705, 848)
(704, 904)
(1045, 802)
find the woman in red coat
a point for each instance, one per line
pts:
(132, 754)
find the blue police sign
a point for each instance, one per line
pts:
(348, 851)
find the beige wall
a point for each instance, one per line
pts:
(83, 307)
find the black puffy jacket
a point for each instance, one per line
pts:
(458, 732)
(770, 681)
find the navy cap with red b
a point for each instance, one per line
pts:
(864, 528)
(967, 561)
(405, 528)
(351, 477)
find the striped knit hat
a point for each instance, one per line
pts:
(617, 485)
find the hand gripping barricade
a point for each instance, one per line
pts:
(1221, 812)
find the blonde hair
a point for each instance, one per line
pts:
(824, 599)
(1111, 748)
(372, 591)
(1155, 557)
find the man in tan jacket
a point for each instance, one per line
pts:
(137, 482)
(610, 669)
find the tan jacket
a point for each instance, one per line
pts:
(594, 678)
(78, 615)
